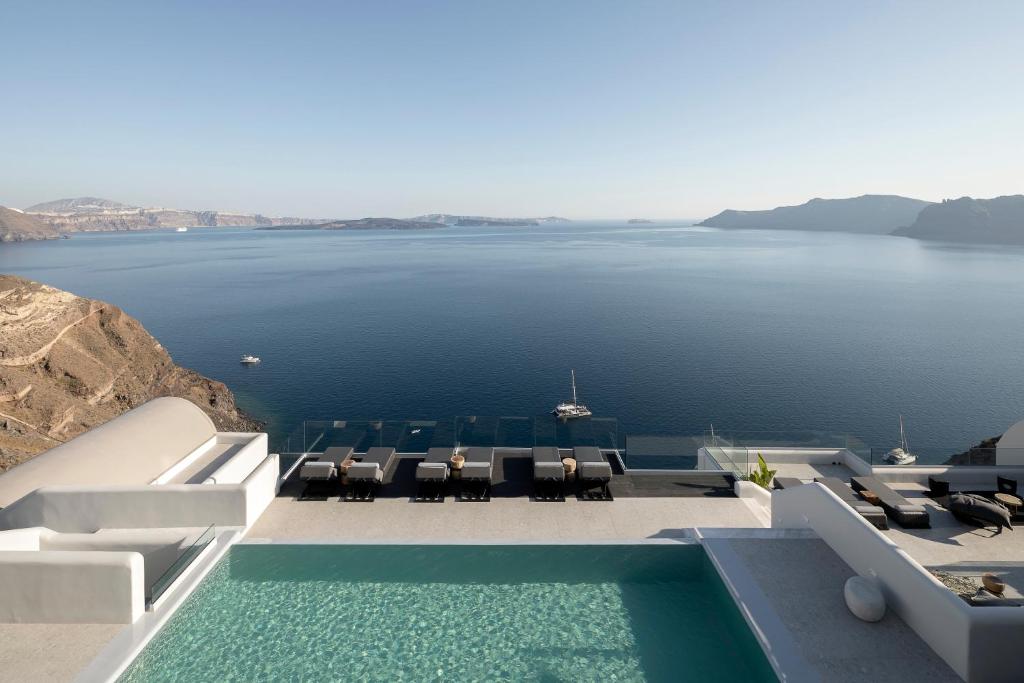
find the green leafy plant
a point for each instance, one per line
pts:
(762, 476)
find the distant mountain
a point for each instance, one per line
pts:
(868, 214)
(980, 221)
(88, 214)
(474, 221)
(16, 226)
(77, 205)
(361, 224)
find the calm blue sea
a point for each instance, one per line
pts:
(670, 327)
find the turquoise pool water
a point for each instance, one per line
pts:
(462, 613)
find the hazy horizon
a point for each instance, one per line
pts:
(659, 110)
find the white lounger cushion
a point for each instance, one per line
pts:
(317, 470)
(476, 470)
(548, 470)
(432, 470)
(595, 470)
(365, 471)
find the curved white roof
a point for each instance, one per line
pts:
(133, 448)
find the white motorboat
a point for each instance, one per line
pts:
(569, 411)
(249, 360)
(181, 230)
(901, 455)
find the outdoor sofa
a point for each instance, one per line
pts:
(898, 508)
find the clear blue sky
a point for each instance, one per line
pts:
(584, 109)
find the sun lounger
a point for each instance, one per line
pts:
(872, 513)
(323, 472)
(548, 474)
(786, 483)
(366, 476)
(593, 472)
(905, 513)
(432, 474)
(476, 474)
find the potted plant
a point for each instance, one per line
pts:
(762, 476)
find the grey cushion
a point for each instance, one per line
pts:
(910, 509)
(869, 509)
(317, 471)
(980, 509)
(476, 470)
(595, 470)
(365, 471)
(432, 471)
(549, 470)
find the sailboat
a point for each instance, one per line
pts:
(901, 455)
(569, 411)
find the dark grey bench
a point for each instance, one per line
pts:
(872, 513)
(905, 513)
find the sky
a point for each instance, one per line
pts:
(582, 109)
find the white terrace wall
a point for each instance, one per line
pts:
(57, 586)
(87, 509)
(981, 644)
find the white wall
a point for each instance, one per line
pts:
(757, 498)
(979, 643)
(55, 586)
(241, 465)
(87, 509)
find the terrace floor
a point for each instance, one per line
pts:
(50, 652)
(802, 579)
(809, 472)
(955, 547)
(501, 519)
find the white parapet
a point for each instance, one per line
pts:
(979, 643)
(88, 509)
(86, 587)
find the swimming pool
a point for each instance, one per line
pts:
(453, 612)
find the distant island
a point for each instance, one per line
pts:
(638, 221)
(867, 214)
(980, 221)
(63, 217)
(360, 224)
(455, 220)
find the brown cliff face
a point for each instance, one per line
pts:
(16, 226)
(68, 364)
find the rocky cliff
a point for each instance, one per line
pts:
(68, 364)
(978, 221)
(875, 214)
(16, 226)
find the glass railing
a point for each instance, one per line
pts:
(190, 553)
(416, 436)
(662, 452)
(938, 455)
(730, 459)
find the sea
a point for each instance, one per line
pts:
(671, 328)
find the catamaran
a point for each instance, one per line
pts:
(901, 455)
(572, 410)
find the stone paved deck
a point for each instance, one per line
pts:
(50, 652)
(502, 519)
